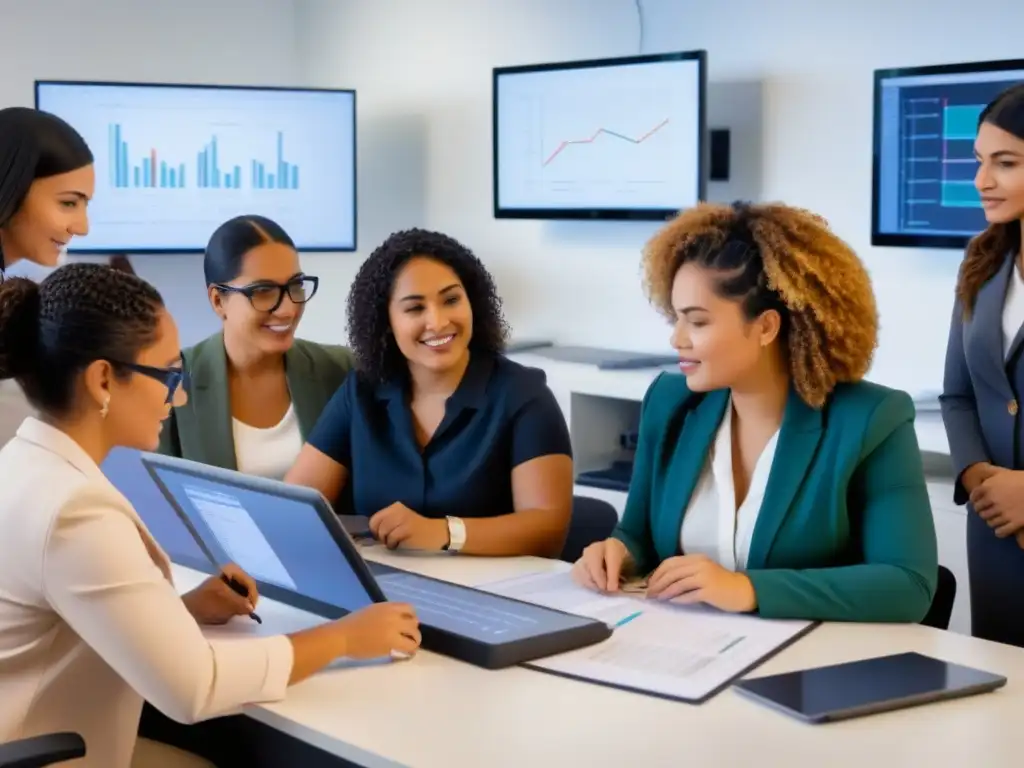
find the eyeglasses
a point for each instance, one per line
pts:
(266, 296)
(172, 378)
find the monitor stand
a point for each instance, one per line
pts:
(121, 263)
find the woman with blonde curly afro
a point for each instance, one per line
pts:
(770, 477)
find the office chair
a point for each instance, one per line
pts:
(942, 604)
(592, 520)
(42, 750)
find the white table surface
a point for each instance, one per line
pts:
(436, 711)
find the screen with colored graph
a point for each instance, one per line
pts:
(608, 139)
(174, 162)
(926, 120)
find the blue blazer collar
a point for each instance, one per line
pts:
(988, 315)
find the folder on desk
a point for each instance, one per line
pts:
(683, 653)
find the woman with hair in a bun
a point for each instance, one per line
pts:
(90, 622)
(46, 182)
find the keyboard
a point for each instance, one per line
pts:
(452, 608)
(481, 628)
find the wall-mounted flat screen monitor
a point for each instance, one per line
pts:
(602, 139)
(925, 123)
(173, 162)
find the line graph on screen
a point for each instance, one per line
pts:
(625, 138)
(565, 143)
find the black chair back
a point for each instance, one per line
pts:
(592, 520)
(942, 604)
(42, 750)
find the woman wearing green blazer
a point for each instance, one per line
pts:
(769, 477)
(255, 390)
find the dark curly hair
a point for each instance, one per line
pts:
(988, 250)
(772, 256)
(369, 328)
(51, 331)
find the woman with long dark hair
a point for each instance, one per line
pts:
(46, 182)
(984, 379)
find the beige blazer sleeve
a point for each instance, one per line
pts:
(98, 575)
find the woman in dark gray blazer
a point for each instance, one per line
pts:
(984, 379)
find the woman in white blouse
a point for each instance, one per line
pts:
(90, 623)
(770, 477)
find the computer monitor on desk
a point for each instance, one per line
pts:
(290, 541)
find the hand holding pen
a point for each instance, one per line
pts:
(222, 597)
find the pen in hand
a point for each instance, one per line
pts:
(238, 588)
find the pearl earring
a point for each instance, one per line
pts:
(105, 409)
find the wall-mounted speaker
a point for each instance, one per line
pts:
(719, 145)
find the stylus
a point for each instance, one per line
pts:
(238, 588)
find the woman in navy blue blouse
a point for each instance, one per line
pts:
(444, 443)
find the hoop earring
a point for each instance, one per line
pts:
(105, 408)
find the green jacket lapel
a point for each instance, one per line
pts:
(304, 387)
(684, 468)
(212, 403)
(798, 440)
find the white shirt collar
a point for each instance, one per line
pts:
(54, 440)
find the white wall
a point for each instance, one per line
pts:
(225, 41)
(793, 78)
(422, 71)
(815, 60)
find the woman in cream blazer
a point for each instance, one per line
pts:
(90, 623)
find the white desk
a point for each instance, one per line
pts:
(435, 711)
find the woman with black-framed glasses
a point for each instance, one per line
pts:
(257, 390)
(93, 625)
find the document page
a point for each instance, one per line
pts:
(239, 536)
(556, 589)
(681, 652)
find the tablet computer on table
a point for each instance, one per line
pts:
(868, 686)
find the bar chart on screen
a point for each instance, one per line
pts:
(151, 169)
(173, 163)
(935, 127)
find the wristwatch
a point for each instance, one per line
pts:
(456, 535)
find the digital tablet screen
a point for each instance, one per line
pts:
(283, 543)
(867, 686)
